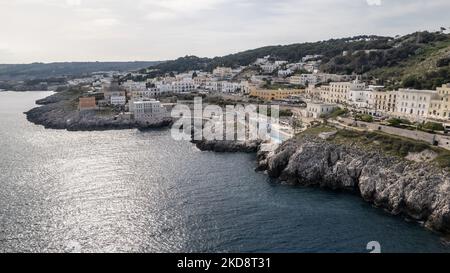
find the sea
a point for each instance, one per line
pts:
(143, 191)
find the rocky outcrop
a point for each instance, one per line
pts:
(57, 113)
(55, 98)
(417, 190)
(228, 146)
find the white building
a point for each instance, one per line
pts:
(295, 66)
(339, 91)
(285, 73)
(261, 61)
(134, 86)
(304, 79)
(118, 100)
(148, 93)
(200, 81)
(177, 86)
(184, 76)
(311, 57)
(280, 63)
(312, 66)
(223, 72)
(183, 86)
(230, 87)
(245, 87)
(296, 80)
(269, 68)
(316, 110)
(164, 88)
(147, 110)
(414, 104)
(313, 93)
(213, 86)
(361, 98)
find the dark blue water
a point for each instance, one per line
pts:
(131, 191)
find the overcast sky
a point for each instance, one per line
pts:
(119, 30)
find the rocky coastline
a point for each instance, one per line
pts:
(419, 191)
(415, 190)
(228, 146)
(59, 112)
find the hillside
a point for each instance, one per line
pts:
(54, 70)
(419, 60)
(291, 53)
(427, 67)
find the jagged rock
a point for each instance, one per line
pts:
(424, 156)
(417, 190)
(280, 159)
(327, 135)
(226, 146)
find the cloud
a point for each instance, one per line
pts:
(6, 54)
(161, 16)
(105, 22)
(74, 2)
(164, 10)
(40, 30)
(184, 6)
(374, 2)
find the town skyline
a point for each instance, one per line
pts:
(103, 30)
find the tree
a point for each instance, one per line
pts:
(297, 125)
(396, 122)
(443, 62)
(364, 118)
(433, 126)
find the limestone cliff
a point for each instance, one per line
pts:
(228, 146)
(417, 190)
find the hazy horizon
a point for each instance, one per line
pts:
(49, 31)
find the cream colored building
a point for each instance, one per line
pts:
(223, 72)
(148, 93)
(317, 110)
(384, 102)
(270, 95)
(312, 92)
(440, 106)
(360, 98)
(325, 94)
(339, 91)
(245, 87)
(316, 78)
(147, 110)
(414, 104)
(134, 86)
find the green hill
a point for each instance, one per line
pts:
(54, 70)
(419, 60)
(427, 67)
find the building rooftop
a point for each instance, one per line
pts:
(321, 104)
(146, 101)
(417, 90)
